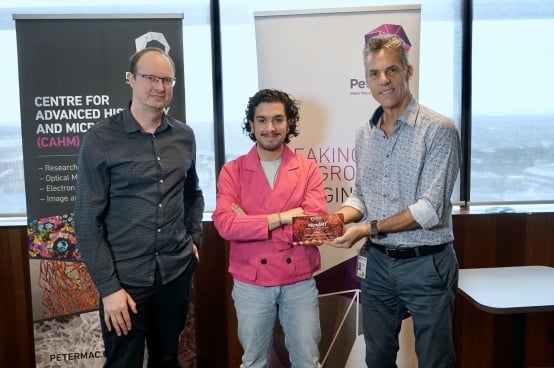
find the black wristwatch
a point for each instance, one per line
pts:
(374, 231)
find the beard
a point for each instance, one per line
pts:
(270, 142)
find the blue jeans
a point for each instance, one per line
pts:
(298, 309)
(425, 287)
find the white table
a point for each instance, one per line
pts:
(510, 290)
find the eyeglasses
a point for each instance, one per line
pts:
(154, 79)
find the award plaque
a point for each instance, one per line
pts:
(315, 230)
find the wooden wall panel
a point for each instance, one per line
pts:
(482, 240)
(500, 240)
(211, 297)
(539, 239)
(16, 315)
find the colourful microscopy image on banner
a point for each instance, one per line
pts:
(53, 238)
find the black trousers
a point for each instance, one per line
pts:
(162, 312)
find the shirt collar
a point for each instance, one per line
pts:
(409, 115)
(132, 126)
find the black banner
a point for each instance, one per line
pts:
(72, 75)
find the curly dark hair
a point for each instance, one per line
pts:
(272, 95)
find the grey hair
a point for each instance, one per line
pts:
(391, 42)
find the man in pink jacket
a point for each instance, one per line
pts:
(258, 194)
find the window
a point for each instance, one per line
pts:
(512, 119)
(440, 55)
(198, 86)
(12, 186)
(512, 145)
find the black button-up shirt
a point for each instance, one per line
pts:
(138, 202)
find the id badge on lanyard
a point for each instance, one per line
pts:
(361, 266)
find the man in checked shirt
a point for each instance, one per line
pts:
(408, 160)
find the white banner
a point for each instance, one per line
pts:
(316, 56)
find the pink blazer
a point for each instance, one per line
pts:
(258, 256)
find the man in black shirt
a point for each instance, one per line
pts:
(138, 218)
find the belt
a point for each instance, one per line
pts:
(402, 253)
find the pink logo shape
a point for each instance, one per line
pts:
(386, 29)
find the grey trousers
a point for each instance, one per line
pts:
(424, 287)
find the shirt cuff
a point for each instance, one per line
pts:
(197, 239)
(108, 287)
(424, 214)
(359, 205)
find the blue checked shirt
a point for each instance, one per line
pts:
(415, 167)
